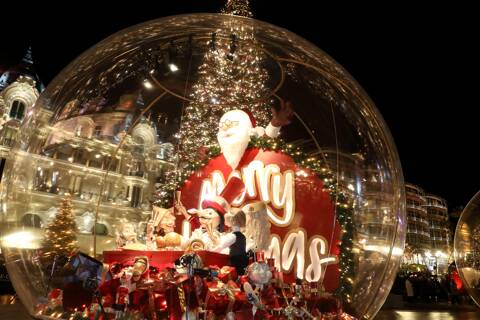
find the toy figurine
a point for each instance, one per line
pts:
(235, 240)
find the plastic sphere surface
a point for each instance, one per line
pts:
(141, 135)
(467, 249)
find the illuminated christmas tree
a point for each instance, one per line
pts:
(231, 76)
(228, 79)
(60, 238)
(238, 7)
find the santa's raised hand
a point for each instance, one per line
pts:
(283, 116)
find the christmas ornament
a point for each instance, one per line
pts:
(466, 249)
(252, 297)
(162, 120)
(259, 271)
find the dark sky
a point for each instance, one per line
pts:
(419, 64)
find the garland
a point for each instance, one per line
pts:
(343, 205)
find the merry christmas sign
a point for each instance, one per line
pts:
(304, 230)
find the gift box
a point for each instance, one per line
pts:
(227, 273)
(222, 298)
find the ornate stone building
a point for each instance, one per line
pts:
(19, 89)
(81, 155)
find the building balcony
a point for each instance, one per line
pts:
(85, 198)
(436, 205)
(437, 210)
(435, 201)
(439, 227)
(415, 219)
(416, 208)
(437, 217)
(136, 174)
(418, 232)
(413, 189)
(415, 200)
(439, 239)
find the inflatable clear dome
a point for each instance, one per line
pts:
(467, 250)
(203, 164)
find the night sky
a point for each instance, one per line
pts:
(418, 64)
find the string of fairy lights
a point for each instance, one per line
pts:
(238, 8)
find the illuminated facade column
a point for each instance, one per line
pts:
(71, 185)
(80, 184)
(119, 164)
(438, 215)
(418, 229)
(87, 163)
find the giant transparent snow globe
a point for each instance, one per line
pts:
(467, 249)
(166, 113)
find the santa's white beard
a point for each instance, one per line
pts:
(233, 148)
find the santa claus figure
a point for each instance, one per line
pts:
(283, 200)
(236, 128)
(209, 221)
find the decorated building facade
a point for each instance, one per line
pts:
(20, 87)
(77, 153)
(428, 234)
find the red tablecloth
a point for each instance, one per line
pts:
(163, 259)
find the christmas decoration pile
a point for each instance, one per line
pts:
(138, 290)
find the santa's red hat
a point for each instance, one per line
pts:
(221, 203)
(251, 117)
(246, 117)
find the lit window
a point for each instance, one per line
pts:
(17, 111)
(98, 131)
